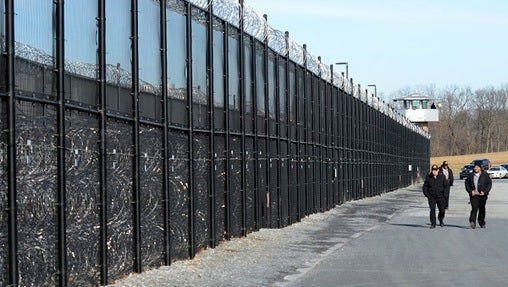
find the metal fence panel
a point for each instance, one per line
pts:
(152, 196)
(36, 190)
(201, 187)
(284, 203)
(250, 143)
(179, 194)
(119, 202)
(235, 186)
(250, 188)
(82, 187)
(220, 189)
(4, 262)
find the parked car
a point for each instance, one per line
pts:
(466, 170)
(497, 172)
(505, 165)
(483, 162)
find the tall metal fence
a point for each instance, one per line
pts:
(136, 133)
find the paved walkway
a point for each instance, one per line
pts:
(405, 252)
(379, 241)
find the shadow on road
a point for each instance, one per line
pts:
(410, 225)
(428, 225)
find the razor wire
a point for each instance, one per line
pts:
(235, 14)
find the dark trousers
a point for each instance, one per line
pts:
(478, 207)
(447, 196)
(441, 203)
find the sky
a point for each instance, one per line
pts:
(401, 45)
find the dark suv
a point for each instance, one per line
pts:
(466, 170)
(483, 162)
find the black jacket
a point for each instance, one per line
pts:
(435, 187)
(450, 175)
(484, 183)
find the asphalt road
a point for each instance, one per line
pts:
(404, 251)
(378, 241)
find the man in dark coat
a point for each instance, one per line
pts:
(434, 188)
(478, 185)
(448, 173)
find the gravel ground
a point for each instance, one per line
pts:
(270, 257)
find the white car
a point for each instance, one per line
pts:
(497, 172)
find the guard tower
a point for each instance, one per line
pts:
(419, 110)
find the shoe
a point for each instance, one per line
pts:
(432, 226)
(482, 226)
(441, 223)
(472, 224)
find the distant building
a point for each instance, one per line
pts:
(418, 109)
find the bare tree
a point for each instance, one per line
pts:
(470, 121)
(450, 134)
(459, 121)
(488, 103)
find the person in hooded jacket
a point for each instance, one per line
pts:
(434, 188)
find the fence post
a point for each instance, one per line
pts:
(11, 146)
(103, 245)
(61, 197)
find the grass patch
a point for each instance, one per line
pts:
(456, 162)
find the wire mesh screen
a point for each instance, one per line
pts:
(329, 180)
(152, 196)
(3, 194)
(321, 179)
(219, 199)
(318, 179)
(273, 186)
(294, 187)
(309, 184)
(179, 194)
(119, 207)
(2, 26)
(302, 182)
(201, 167)
(335, 180)
(264, 196)
(235, 186)
(34, 78)
(284, 203)
(250, 185)
(82, 189)
(79, 90)
(36, 193)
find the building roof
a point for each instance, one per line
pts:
(411, 97)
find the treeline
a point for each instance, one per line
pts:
(469, 121)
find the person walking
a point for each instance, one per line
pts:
(434, 189)
(448, 173)
(478, 185)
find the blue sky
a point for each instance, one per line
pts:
(401, 44)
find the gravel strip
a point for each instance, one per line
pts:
(270, 256)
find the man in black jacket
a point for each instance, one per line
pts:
(448, 173)
(478, 185)
(434, 188)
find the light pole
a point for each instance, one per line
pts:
(344, 63)
(375, 90)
